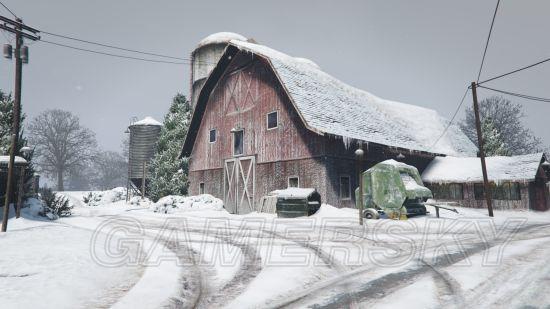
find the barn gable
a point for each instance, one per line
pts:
(328, 106)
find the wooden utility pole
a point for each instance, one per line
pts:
(488, 195)
(18, 28)
(359, 153)
(143, 180)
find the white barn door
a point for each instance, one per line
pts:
(239, 184)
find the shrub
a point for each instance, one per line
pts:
(55, 205)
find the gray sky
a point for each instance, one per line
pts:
(418, 52)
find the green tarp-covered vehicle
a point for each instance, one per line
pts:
(393, 188)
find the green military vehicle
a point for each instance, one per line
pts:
(393, 189)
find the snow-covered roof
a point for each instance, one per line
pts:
(147, 121)
(294, 192)
(4, 160)
(453, 169)
(328, 105)
(221, 37)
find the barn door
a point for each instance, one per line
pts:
(239, 184)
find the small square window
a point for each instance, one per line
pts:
(272, 120)
(293, 182)
(201, 188)
(345, 188)
(238, 142)
(212, 138)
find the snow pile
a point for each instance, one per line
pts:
(499, 168)
(175, 203)
(290, 193)
(33, 207)
(97, 198)
(138, 201)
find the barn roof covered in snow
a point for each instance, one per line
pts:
(4, 160)
(463, 170)
(329, 106)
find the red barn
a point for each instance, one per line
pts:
(264, 120)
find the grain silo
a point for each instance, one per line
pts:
(205, 57)
(144, 135)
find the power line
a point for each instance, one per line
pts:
(114, 47)
(514, 71)
(519, 95)
(7, 8)
(488, 39)
(452, 119)
(109, 54)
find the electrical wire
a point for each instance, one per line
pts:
(487, 43)
(514, 71)
(112, 46)
(452, 119)
(519, 95)
(112, 55)
(7, 8)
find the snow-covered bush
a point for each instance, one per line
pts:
(175, 203)
(138, 201)
(54, 205)
(96, 198)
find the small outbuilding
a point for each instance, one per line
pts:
(20, 166)
(518, 182)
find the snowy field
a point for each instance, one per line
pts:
(191, 253)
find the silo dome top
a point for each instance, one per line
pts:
(147, 121)
(221, 37)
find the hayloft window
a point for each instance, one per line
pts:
(293, 182)
(345, 188)
(212, 138)
(201, 188)
(272, 120)
(238, 142)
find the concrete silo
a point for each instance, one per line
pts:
(144, 135)
(205, 57)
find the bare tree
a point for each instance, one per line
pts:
(62, 144)
(111, 170)
(506, 118)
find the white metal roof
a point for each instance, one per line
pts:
(328, 105)
(461, 170)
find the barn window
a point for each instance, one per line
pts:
(238, 142)
(293, 182)
(272, 120)
(212, 138)
(345, 188)
(503, 191)
(201, 188)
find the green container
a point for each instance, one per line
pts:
(297, 202)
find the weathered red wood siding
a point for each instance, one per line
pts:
(242, 99)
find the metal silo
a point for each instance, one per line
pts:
(144, 135)
(205, 57)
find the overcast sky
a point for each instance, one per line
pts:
(418, 52)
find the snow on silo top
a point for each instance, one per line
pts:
(221, 37)
(147, 121)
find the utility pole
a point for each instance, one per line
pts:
(359, 153)
(21, 55)
(488, 195)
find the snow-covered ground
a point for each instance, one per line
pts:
(189, 252)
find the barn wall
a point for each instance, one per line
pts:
(243, 97)
(470, 200)
(269, 176)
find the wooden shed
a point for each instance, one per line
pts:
(518, 182)
(265, 120)
(19, 173)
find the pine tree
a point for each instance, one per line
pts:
(494, 144)
(168, 171)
